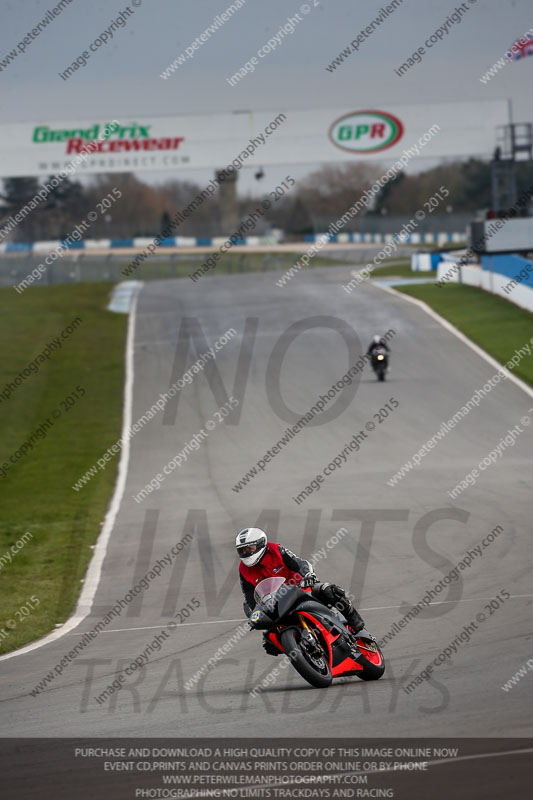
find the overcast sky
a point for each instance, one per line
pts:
(122, 80)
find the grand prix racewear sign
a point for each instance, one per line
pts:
(211, 141)
(109, 138)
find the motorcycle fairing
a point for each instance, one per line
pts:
(289, 600)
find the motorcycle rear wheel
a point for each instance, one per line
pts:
(301, 662)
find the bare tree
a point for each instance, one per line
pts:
(330, 191)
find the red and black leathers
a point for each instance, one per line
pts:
(276, 562)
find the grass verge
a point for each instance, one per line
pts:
(36, 494)
(495, 324)
(401, 269)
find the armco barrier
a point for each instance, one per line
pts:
(212, 241)
(425, 262)
(509, 276)
(107, 244)
(385, 238)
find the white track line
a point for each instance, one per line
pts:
(434, 763)
(222, 621)
(165, 624)
(94, 571)
(456, 332)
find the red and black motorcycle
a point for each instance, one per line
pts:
(317, 639)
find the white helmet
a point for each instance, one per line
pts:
(376, 339)
(251, 544)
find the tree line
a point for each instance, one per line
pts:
(145, 209)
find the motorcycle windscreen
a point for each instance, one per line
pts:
(266, 588)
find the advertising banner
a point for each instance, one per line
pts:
(212, 141)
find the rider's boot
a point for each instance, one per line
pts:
(355, 621)
(337, 596)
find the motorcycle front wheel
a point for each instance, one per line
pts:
(314, 670)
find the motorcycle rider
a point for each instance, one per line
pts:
(261, 559)
(377, 341)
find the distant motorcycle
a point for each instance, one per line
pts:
(380, 362)
(317, 639)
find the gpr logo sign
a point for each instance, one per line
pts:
(366, 131)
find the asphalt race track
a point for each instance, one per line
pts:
(400, 540)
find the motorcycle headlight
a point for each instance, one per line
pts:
(380, 358)
(259, 620)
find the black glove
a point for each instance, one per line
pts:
(308, 580)
(270, 648)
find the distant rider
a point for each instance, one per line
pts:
(377, 341)
(263, 559)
